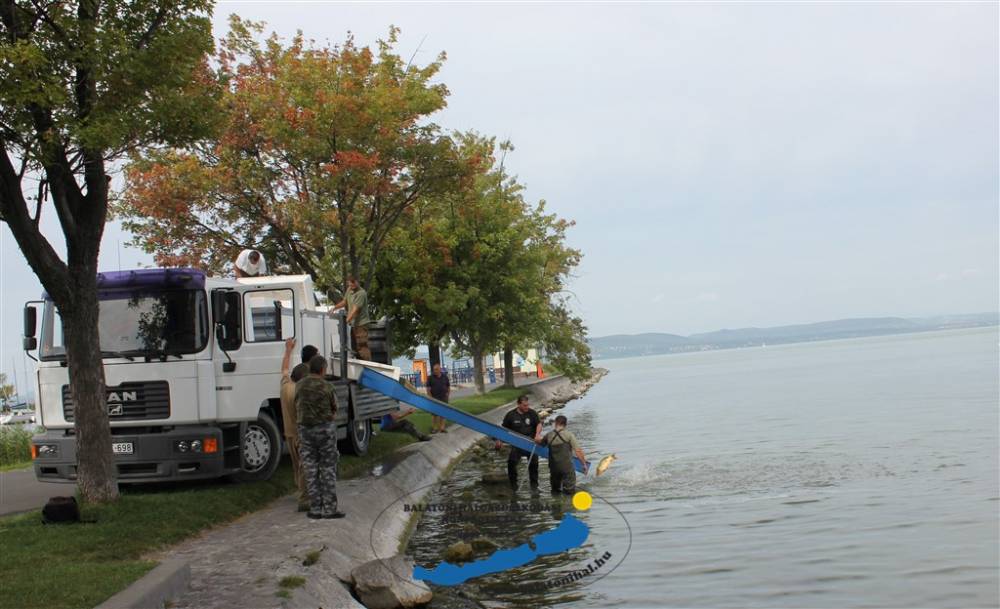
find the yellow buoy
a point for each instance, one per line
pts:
(582, 500)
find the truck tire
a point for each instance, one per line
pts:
(359, 437)
(260, 448)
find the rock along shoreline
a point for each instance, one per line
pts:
(278, 558)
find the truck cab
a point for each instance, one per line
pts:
(192, 368)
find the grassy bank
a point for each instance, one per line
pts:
(51, 566)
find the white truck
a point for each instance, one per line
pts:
(192, 369)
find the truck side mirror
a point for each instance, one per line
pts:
(29, 342)
(30, 321)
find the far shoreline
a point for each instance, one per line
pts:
(972, 329)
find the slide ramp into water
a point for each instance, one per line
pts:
(392, 388)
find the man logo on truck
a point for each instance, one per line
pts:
(116, 399)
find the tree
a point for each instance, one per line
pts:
(81, 84)
(478, 264)
(321, 152)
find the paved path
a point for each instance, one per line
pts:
(21, 492)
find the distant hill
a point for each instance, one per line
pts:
(634, 345)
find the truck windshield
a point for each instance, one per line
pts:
(155, 323)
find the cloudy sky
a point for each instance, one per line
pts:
(727, 165)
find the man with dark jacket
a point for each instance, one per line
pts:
(525, 421)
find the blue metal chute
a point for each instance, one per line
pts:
(395, 390)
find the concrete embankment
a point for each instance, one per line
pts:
(278, 557)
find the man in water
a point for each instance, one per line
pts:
(316, 405)
(439, 388)
(525, 421)
(290, 418)
(394, 422)
(562, 446)
(356, 301)
(250, 264)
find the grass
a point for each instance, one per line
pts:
(312, 557)
(15, 447)
(291, 581)
(55, 566)
(82, 565)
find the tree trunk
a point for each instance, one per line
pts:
(508, 367)
(434, 353)
(477, 370)
(96, 473)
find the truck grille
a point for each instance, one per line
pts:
(130, 401)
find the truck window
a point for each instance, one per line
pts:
(268, 315)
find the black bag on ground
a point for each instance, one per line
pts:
(60, 510)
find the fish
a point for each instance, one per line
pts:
(605, 464)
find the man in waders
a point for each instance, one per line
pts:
(562, 446)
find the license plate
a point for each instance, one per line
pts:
(122, 448)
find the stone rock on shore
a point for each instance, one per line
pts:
(380, 584)
(457, 552)
(483, 545)
(495, 478)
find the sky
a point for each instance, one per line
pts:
(726, 164)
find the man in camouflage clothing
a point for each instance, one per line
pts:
(316, 405)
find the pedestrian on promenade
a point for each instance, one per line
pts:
(439, 388)
(562, 447)
(394, 422)
(316, 406)
(524, 420)
(356, 301)
(250, 263)
(290, 419)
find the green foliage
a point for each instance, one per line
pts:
(15, 446)
(144, 61)
(482, 267)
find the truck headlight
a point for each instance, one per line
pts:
(44, 450)
(194, 446)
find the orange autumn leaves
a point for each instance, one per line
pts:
(318, 152)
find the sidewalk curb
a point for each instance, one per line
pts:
(167, 581)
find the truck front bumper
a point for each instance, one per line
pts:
(154, 456)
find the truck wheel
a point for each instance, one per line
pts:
(260, 449)
(359, 437)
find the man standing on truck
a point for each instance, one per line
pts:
(290, 418)
(356, 301)
(525, 421)
(316, 406)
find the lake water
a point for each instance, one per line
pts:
(853, 473)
